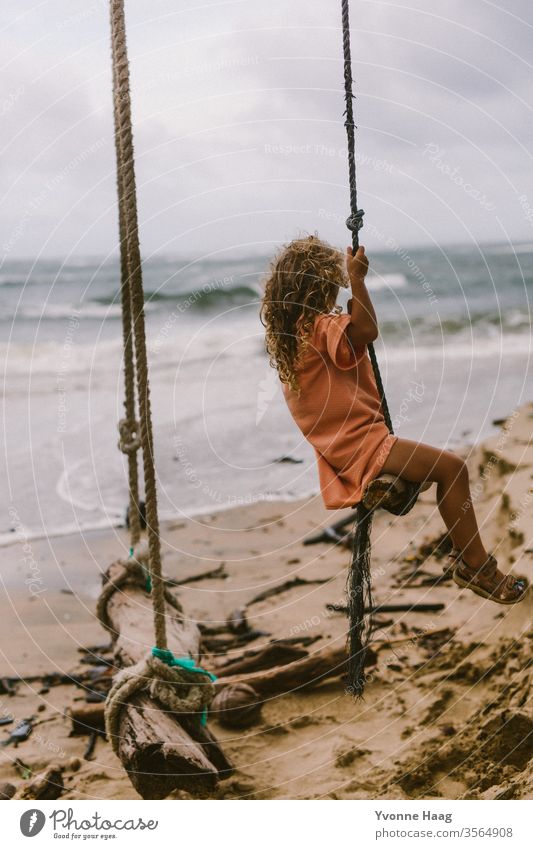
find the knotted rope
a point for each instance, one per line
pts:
(176, 682)
(359, 586)
(132, 263)
(354, 222)
(135, 570)
(130, 441)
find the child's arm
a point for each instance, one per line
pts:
(363, 327)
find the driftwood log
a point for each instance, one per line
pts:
(299, 674)
(160, 751)
(87, 717)
(329, 662)
(430, 607)
(275, 654)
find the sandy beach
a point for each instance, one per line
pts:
(446, 713)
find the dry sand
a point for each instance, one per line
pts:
(446, 716)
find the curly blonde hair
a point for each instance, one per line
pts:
(303, 283)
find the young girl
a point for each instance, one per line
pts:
(321, 358)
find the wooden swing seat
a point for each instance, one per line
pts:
(391, 493)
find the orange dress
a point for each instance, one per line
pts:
(338, 411)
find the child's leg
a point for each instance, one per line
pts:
(417, 462)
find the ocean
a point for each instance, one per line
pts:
(454, 350)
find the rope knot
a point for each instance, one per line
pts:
(176, 682)
(186, 663)
(354, 222)
(133, 570)
(163, 654)
(130, 438)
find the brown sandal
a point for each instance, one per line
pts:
(486, 582)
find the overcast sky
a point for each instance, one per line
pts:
(238, 123)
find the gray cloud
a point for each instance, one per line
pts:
(238, 122)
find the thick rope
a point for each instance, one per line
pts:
(359, 599)
(128, 427)
(134, 571)
(359, 584)
(359, 588)
(355, 220)
(126, 178)
(177, 683)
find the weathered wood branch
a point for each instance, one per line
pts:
(275, 654)
(329, 662)
(430, 607)
(286, 585)
(87, 717)
(159, 755)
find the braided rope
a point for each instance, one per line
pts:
(359, 582)
(176, 683)
(355, 220)
(359, 586)
(128, 425)
(126, 179)
(134, 571)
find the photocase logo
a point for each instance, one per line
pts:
(32, 822)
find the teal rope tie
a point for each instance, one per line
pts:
(186, 663)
